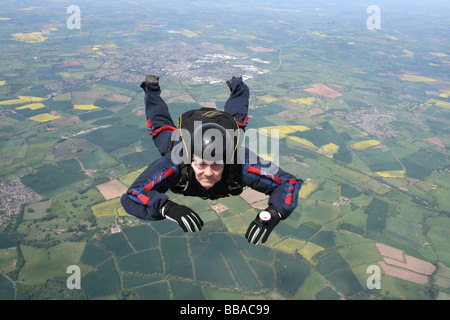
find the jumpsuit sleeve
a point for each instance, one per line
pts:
(269, 179)
(145, 197)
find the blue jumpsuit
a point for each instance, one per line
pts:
(146, 196)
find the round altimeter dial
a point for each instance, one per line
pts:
(265, 216)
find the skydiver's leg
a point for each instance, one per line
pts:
(159, 122)
(237, 103)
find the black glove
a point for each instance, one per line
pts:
(187, 219)
(262, 226)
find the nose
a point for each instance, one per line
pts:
(208, 171)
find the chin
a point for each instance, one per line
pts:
(208, 185)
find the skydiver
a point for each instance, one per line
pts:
(205, 176)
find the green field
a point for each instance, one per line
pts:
(372, 112)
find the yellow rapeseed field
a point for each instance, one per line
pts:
(408, 53)
(362, 145)
(439, 103)
(283, 131)
(290, 245)
(444, 93)
(308, 101)
(44, 117)
(12, 101)
(319, 34)
(391, 174)
(391, 37)
(330, 148)
(31, 37)
(85, 106)
(185, 32)
(416, 78)
(31, 98)
(268, 99)
(439, 54)
(303, 141)
(32, 106)
(309, 250)
(21, 99)
(108, 208)
(306, 190)
(130, 177)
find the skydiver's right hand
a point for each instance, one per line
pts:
(187, 219)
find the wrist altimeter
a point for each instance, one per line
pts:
(265, 216)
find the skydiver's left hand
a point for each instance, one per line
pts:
(262, 226)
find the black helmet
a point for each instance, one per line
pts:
(208, 133)
(212, 142)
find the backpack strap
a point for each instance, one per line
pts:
(183, 181)
(234, 179)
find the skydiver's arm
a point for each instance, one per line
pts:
(145, 197)
(268, 178)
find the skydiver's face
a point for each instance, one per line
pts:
(207, 173)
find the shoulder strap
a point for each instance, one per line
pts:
(183, 181)
(234, 179)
